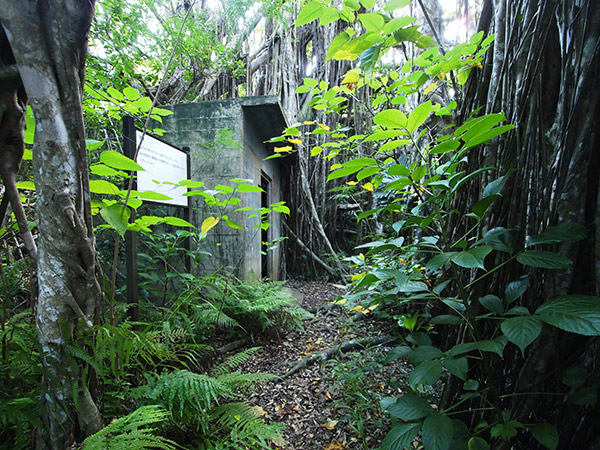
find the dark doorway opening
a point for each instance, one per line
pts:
(265, 236)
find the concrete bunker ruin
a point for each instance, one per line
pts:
(226, 139)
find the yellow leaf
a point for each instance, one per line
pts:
(351, 183)
(208, 223)
(336, 445)
(330, 424)
(323, 126)
(342, 301)
(373, 307)
(259, 411)
(368, 186)
(357, 308)
(295, 141)
(309, 122)
(283, 149)
(430, 88)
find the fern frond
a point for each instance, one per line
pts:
(132, 432)
(82, 354)
(233, 361)
(248, 430)
(187, 396)
(212, 314)
(241, 380)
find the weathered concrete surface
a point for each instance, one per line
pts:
(226, 141)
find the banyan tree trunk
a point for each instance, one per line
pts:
(543, 72)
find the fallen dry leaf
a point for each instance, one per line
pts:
(259, 411)
(336, 445)
(330, 424)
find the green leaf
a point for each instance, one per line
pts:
(115, 94)
(427, 373)
(544, 259)
(177, 222)
(437, 432)
(103, 187)
(248, 188)
(369, 58)
(575, 376)
(351, 4)
(499, 239)
(439, 261)
(546, 435)
(482, 205)
(399, 170)
(495, 187)
(472, 258)
(343, 172)
(504, 430)
(117, 216)
(310, 12)
(131, 93)
(392, 5)
(586, 396)
(484, 137)
(231, 224)
(446, 319)
(103, 170)
(575, 313)
(419, 173)
(27, 185)
(391, 118)
(387, 134)
(118, 161)
(476, 443)
(371, 21)
(367, 172)
(329, 15)
(92, 144)
(564, 232)
(457, 366)
(337, 44)
(492, 303)
(409, 407)
(207, 224)
(151, 195)
(521, 330)
(401, 436)
(418, 116)
(424, 353)
(515, 289)
(398, 352)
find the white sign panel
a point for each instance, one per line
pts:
(163, 165)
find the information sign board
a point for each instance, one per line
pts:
(164, 166)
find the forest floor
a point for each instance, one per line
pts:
(331, 404)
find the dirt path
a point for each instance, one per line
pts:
(331, 405)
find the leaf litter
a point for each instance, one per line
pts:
(313, 402)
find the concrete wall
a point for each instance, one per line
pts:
(226, 141)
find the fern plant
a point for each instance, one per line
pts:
(21, 372)
(264, 306)
(195, 403)
(132, 432)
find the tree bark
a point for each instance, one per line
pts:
(49, 41)
(542, 73)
